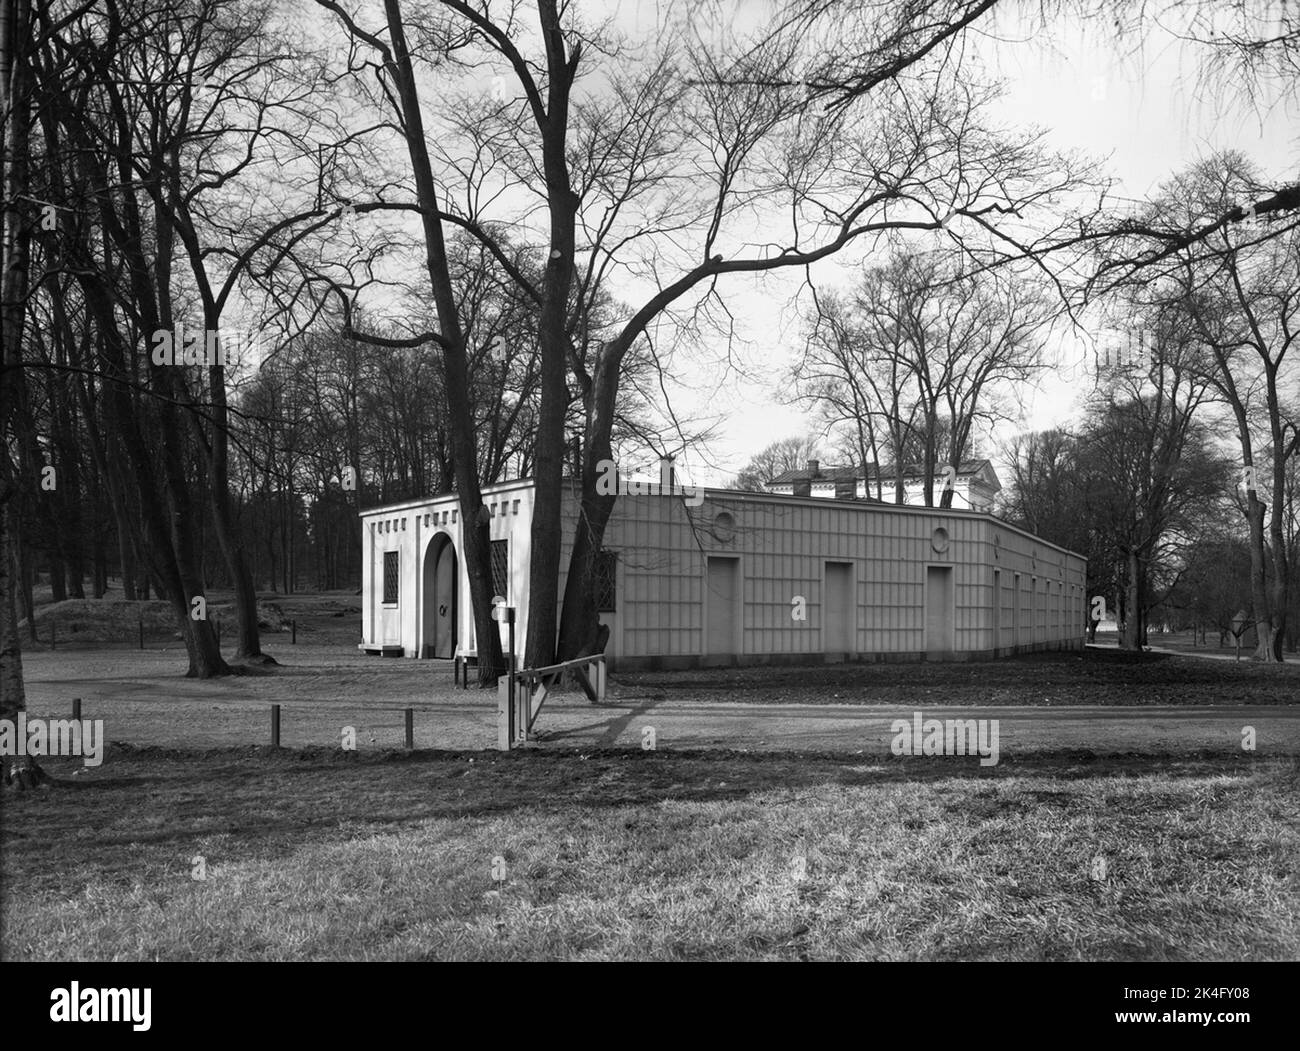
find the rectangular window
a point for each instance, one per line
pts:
(606, 581)
(501, 569)
(390, 576)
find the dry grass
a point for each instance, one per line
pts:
(634, 855)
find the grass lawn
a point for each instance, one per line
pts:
(329, 616)
(663, 855)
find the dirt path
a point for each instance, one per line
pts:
(144, 700)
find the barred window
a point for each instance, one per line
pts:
(606, 569)
(390, 576)
(501, 568)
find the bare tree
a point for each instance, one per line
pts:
(1240, 297)
(655, 175)
(1150, 467)
(920, 355)
(788, 454)
(1242, 52)
(911, 156)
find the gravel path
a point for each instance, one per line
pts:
(144, 700)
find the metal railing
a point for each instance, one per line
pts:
(522, 692)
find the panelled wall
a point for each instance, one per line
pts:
(1039, 592)
(742, 578)
(796, 577)
(659, 577)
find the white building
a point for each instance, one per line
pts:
(975, 484)
(737, 578)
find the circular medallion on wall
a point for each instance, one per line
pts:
(724, 526)
(939, 540)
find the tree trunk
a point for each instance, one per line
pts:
(476, 522)
(248, 640)
(15, 33)
(15, 771)
(24, 577)
(1279, 592)
(553, 344)
(580, 622)
(58, 586)
(1259, 596)
(1131, 636)
(99, 565)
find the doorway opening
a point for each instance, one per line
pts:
(439, 599)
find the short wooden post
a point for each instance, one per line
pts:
(142, 631)
(410, 728)
(218, 631)
(293, 626)
(505, 722)
(76, 709)
(520, 729)
(275, 726)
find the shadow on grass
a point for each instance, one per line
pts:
(268, 804)
(441, 784)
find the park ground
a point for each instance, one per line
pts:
(1124, 819)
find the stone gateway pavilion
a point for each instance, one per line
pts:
(705, 577)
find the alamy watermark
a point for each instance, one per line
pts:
(212, 346)
(946, 737)
(82, 738)
(75, 1004)
(611, 483)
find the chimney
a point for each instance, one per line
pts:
(813, 466)
(846, 488)
(667, 476)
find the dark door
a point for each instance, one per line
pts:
(938, 609)
(839, 624)
(722, 609)
(440, 598)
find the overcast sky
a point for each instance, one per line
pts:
(1142, 111)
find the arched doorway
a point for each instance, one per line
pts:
(439, 598)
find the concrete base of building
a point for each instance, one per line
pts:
(380, 649)
(680, 662)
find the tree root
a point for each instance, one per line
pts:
(262, 659)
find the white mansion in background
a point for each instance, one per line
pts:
(975, 486)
